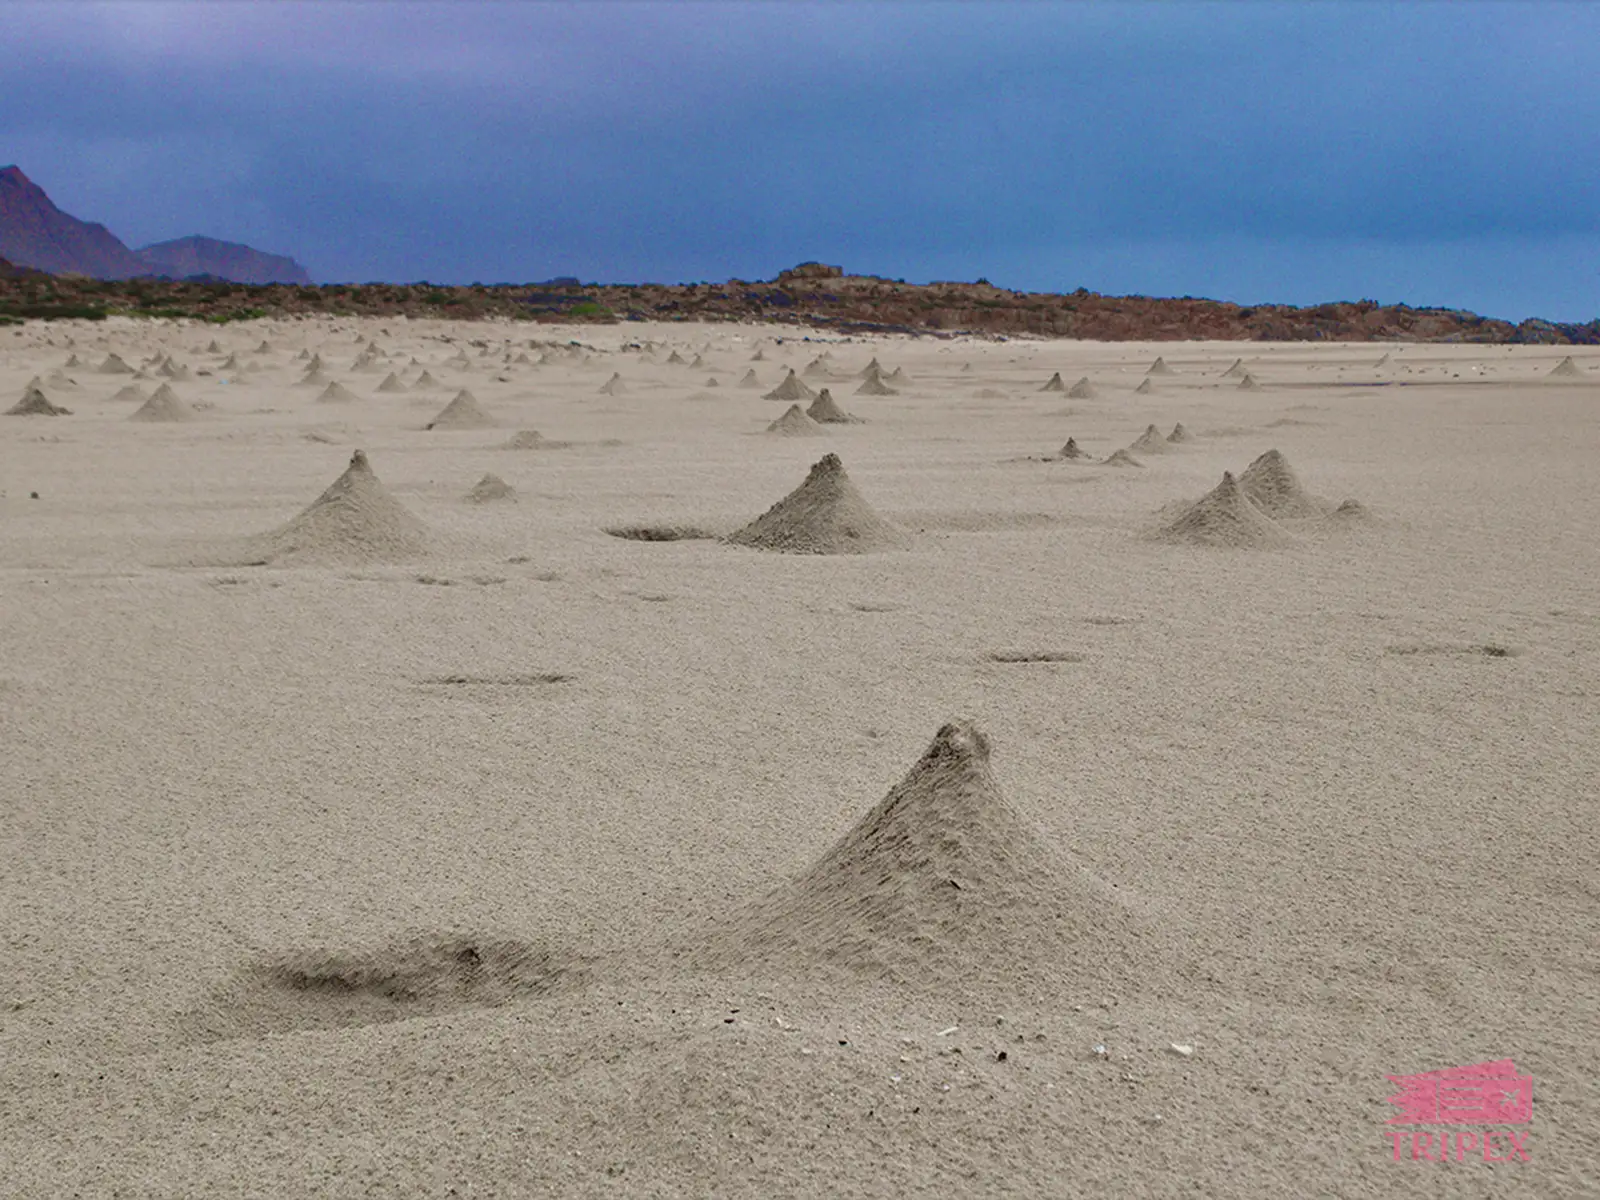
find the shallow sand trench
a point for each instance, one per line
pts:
(468, 862)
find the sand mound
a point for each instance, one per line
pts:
(313, 378)
(1224, 516)
(614, 386)
(1179, 434)
(676, 360)
(942, 882)
(824, 515)
(1236, 371)
(113, 365)
(1248, 383)
(749, 380)
(391, 383)
(816, 369)
(163, 405)
(1150, 442)
(489, 489)
(1145, 388)
(1351, 510)
(1159, 367)
(759, 356)
(1054, 384)
(792, 388)
(327, 989)
(1082, 390)
(463, 412)
(872, 368)
(795, 423)
(825, 409)
(129, 392)
(425, 380)
(35, 403)
(525, 439)
(989, 394)
(1072, 451)
(355, 520)
(875, 386)
(1121, 458)
(335, 393)
(1567, 369)
(1272, 486)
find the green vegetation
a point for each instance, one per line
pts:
(590, 308)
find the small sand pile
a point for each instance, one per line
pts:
(525, 439)
(212, 347)
(1121, 458)
(35, 403)
(113, 365)
(1567, 369)
(792, 388)
(614, 386)
(824, 515)
(1179, 434)
(872, 368)
(826, 410)
(315, 377)
(1150, 442)
(173, 370)
(231, 363)
(163, 405)
(335, 393)
(424, 381)
(1247, 383)
(391, 383)
(711, 381)
(759, 356)
(1236, 371)
(491, 489)
(1055, 384)
(130, 393)
(942, 883)
(1082, 390)
(463, 412)
(1274, 488)
(875, 386)
(750, 380)
(1159, 367)
(898, 377)
(1072, 451)
(1145, 388)
(795, 423)
(1224, 516)
(265, 347)
(816, 369)
(675, 359)
(355, 520)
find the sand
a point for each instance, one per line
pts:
(464, 846)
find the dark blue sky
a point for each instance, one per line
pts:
(1427, 153)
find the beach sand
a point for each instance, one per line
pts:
(421, 847)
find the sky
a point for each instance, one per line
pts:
(1263, 152)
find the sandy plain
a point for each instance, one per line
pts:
(506, 864)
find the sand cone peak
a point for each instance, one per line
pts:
(355, 520)
(463, 412)
(163, 405)
(792, 388)
(942, 881)
(749, 380)
(874, 385)
(824, 515)
(1159, 367)
(675, 359)
(1054, 384)
(613, 386)
(491, 489)
(391, 383)
(1145, 388)
(1236, 370)
(114, 365)
(35, 403)
(1072, 450)
(825, 409)
(1149, 442)
(872, 368)
(425, 380)
(1082, 390)
(335, 393)
(1179, 434)
(1224, 516)
(795, 423)
(1121, 458)
(1274, 488)
(130, 393)
(1567, 369)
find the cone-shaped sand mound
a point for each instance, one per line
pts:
(824, 515)
(874, 385)
(614, 386)
(749, 380)
(130, 393)
(1274, 488)
(872, 368)
(1235, 371)
(490, 489)
(1159, 367)
(1224, 516)
(1179, 434)
(391, 383)
(1072, 450)
(113, 365)
(1121, 458)
(525, 439)
(1249, 383)
(425, 380)
(463, 412)
(1082, 390)
(1145, 388)
(1054, 384)
(1567, 369)
(1149, 442)
(335, 393)
(795, 423)
(355, 520)
(943, 881)
(825, 409)
(163, 405)
(792, 388)
(35, 403)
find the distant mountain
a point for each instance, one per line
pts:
(184, 258)
(35, 233)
